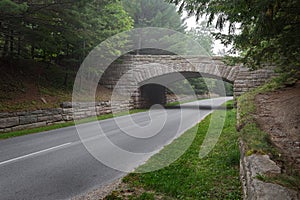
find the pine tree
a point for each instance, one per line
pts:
(58, 30)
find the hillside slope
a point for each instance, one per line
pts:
(30, 85)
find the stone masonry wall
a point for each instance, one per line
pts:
(13, 121)
(247, 80)
(242, 78)
(139, 68)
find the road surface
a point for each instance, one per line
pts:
(57, 165)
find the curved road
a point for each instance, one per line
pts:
(56, 165)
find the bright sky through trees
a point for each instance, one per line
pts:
(218, 48)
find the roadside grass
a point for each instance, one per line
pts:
(228, 105)
(215, 176)
(258, 141)
(66, 124)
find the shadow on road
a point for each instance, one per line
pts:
(200, 107)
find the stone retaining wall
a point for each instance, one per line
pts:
(67, 112)
(255, 165)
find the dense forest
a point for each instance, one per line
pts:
(65, 31)
(59, 33)
(37, 34)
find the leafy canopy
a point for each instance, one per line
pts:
(268, 29)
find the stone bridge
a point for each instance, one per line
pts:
(145, 77)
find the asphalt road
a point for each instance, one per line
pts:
(58, 165)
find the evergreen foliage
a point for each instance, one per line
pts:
(59, 30)
(268, 31)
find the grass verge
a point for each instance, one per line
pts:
(66, 124)
(214, 177)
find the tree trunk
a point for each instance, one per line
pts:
(11, 42)
(32, 51)
(66, 79)
(5, 46)
(19, 46)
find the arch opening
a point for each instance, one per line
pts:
(189, 86)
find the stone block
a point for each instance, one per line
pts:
(56, 118)
(44, 118)
(67, 117)
(27, 126)
(250, 167)
(66, 105)
(28, 119)
(6, 115)
(36, 112)
(9, 122)
(5, 130)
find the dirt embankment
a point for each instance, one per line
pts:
(278, 114)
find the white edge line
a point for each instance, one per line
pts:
(32, 154)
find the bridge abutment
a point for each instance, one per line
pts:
(248, 80)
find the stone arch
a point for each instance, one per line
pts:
(209, 67)
(137, 69)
